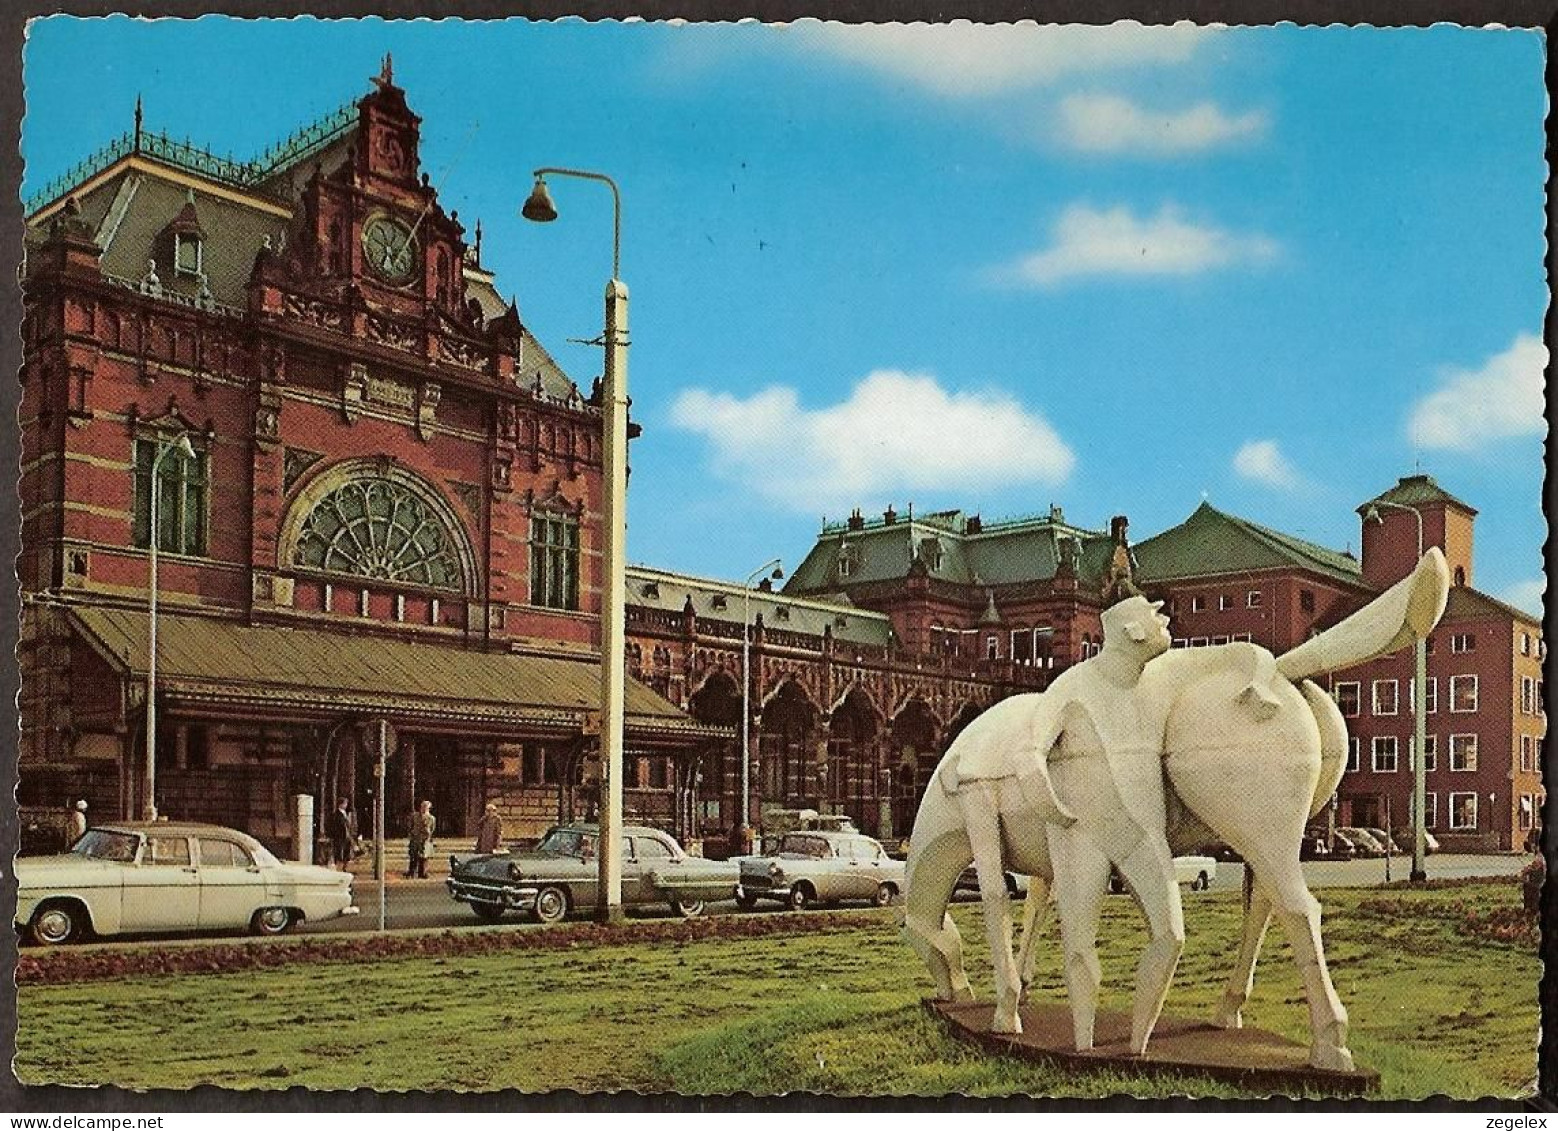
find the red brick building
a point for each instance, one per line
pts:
(1225, 578)
(392, 509)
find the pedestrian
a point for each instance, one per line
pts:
(78, 821)
(489, 834)
(341, 833)
(419, 845)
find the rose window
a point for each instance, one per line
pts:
(379, 529)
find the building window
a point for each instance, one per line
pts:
(1199, 642)
(1431, 746)
(379, 528)
(1527, 811)
(1463, 753)
(1525, 643)
(1253, 600)
(1384, 754)
(1386, 696)
(1463, 694)
(1527, 695)
(182, 497)
(1527, 755)
(1463, 642)
(1197, 603)
(1349, 698)
(992, 648)
(1463, 811)
(188, 254)
(554, 561)
(1022, 646)
(1219, 640)
(1306, 600)
(1430, 810)
(1224, 602)
(1431, 695)
(1354, 755)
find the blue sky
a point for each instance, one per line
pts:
(1115, 269)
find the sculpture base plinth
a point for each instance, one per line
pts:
(1249, 1058)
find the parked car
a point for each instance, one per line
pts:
(159, 876)
(1404, 839)
(1197, 871)
(1387, 842)
(778, 822)
(1319, 846)
(821, 866)
(1362, 842)
(1016, 884)
(562, 873)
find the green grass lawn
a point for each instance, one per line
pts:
(1434, 1010)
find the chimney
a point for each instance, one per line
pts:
(973, 525)
(889, 516)
(855, 521)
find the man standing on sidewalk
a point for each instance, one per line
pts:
(420, 843)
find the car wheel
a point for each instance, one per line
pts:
(551, 905)
(1200, 883)
(746, 901)
(487, 912)
(56, 924)
(271, 921)
(687, 908)
(884, 894)
(800, 897)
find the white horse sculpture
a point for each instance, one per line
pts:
(1248, 756)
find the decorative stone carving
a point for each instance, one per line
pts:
(427, 409)
(294, 462)
(461, 353)
(354, 390)
(314, 312)
(389, 333)
(1063, 784)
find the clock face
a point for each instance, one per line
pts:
(389, 249)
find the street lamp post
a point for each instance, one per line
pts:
(1419, 710)
(746, 692)
(614, 411)
(186, 450)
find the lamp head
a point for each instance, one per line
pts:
(539, 206)
(778, 574)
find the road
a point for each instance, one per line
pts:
(424, 904)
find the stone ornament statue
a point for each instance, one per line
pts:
(1127, 756)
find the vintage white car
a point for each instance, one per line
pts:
(157, 876)
(821, 867)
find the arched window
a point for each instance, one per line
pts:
(379, 528)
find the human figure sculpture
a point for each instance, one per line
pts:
(1250, 750)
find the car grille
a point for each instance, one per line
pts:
(757, 883)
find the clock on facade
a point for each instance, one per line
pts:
(389, 248)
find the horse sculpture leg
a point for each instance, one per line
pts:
(981, 814)
(1035, 917)
(938, 853)
(1081, 877)
(1257, 916)
(1150, 872)
(1298, 912)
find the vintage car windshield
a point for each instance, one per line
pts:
(103, 844)
(814, 847)
(568, 842)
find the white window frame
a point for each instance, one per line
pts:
(1527, 811)
(1463, 769)
(1199, 641)
(1336, 693)
(1527, 752)
(1527, 695)
(1455, 825)
(1431, 695)
(1354, 754)
(1382, 747)
(1395, 696)
(1430, 810)
(1525, 643)
(1431, 759)
(1462, 642)
(1197, 603)
(1224, 602)
(1253, 599)
(1472, 710)
(993, 647)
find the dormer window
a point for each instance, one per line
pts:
(188, 253)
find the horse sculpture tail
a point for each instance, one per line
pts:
(1333, 744)
(1406, 611)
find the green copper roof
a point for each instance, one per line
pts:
(1415, 490)
(948, 546)
(1210, 542)
(727, 602)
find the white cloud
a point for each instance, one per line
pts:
(1090, 242)
(1475, 406)
(1526, 595)
(897, 432)
(966, 60)
(1263, 462)
(1110, 124)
